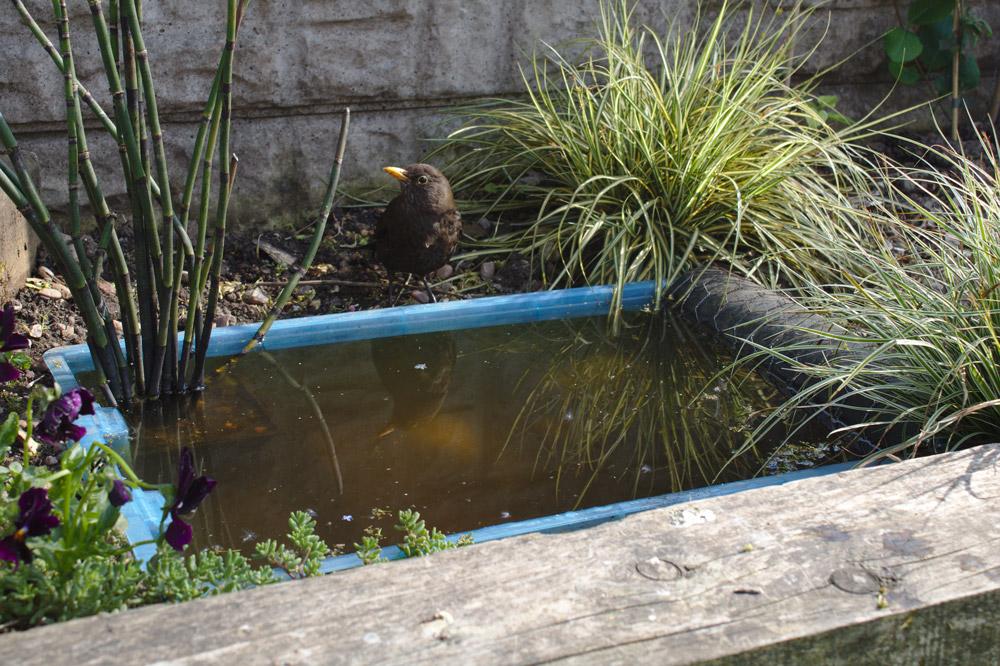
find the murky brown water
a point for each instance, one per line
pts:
(472, 428)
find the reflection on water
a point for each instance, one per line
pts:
(471, 427)
(416, 371)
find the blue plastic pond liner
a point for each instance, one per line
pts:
(145, 511)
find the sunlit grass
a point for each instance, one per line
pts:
(922, 318)
(651, 155)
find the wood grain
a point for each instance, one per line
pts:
(897, 564)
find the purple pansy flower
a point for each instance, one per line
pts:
(119, 494)
(57, 423)
(36, 519)
(9, 341)
(191, 491)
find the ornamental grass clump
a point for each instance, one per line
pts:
(921, 319)
(651, 155)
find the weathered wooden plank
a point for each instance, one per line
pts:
(860, 563)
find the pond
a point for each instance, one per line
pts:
(472, 427)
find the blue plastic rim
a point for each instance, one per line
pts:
(146, 510)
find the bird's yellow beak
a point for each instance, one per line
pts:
(396, 172)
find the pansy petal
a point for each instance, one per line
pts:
(6, 322)
(41, 525)
(33, 501)
(14, 341)
(119, 493)
(178, 534)
(9, 551)
(8, 372)
(196, 493)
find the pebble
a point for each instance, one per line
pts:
(51, 460)
(50, 292)
(445, 272)
(46, 273)
(67, 332)
(35, 331)
(487, 270)
(255, 296)
(223, 319)
(420, 296)
(64, 291)
(231, 297)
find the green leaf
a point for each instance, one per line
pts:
(922, 12)
(901, 45)
(826, 101)
(968, 76)
(8, 432)
(943, 83)
(905, 75)
(938, 40)
(968, 72)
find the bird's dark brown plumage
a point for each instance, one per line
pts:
(420, 228)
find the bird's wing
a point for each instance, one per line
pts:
(393, 212)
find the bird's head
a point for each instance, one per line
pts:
(423, 185)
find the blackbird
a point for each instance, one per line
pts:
(420, 228)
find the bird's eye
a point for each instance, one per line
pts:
(422, 180)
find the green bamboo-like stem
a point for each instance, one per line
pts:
(11, 174)
(140, 191)
(119, 267)
(92, 103)
(218, 243)
(225, 189)
(201, 153)
(85, 94)
(197, 276)
(184, 250)
(30, 205)
(307, 259)
(166, 271)
(73, 177)
(113, 32)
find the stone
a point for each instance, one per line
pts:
(63, 290)
(487, 270)
(420, 296)
(50, 292)
(255, 296)
(445, 272)
(35, 331)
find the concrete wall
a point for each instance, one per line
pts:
(17, 249)
(396, 63)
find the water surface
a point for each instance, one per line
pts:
(472, 428)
